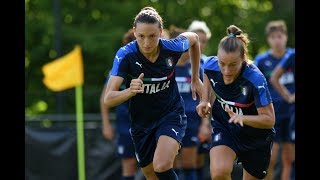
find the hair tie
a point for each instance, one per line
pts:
(231, 35)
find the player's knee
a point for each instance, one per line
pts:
(219, 173)
(161, 166)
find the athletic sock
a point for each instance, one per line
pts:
(167, 175)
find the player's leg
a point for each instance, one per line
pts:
(149, 173)
(177, 165)
(221, 162)
(288, 149)
(222, 153)
(167, 149)
(255, 162)
(127, 154)
(273, 159)
(129, 168)
(169, 134)
(189, 162)
(190, 143)
(292, 133)
(203, 154)
(271, 172)
(200, 165)
(287, 159)
(144, 145)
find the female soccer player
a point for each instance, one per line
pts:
(284, 66)
(276, 32)
(158, 119)
(241, 108)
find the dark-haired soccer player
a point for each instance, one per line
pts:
(286, 65)
(155, 105)
(241, 108)
(276, 32)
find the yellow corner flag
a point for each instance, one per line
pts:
(65, 72)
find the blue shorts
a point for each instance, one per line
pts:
(125, 148)
(283, 113)
(282, 109)
(191, 135)
(145, 140)
(204, 147)
(254, 160)
(282, 130)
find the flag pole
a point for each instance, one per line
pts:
(80, 134)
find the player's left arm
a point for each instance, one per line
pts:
(264, 120)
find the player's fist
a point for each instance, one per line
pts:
(136, 85)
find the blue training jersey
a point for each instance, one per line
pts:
(161, 93)
(266, 62)
(288, 64)
(243, 96)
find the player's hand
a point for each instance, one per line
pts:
(234, 118)
(292, 98)
(203, 109)
(196, 88)
(136, 85)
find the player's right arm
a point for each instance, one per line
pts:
(114, 97)
(107, 129)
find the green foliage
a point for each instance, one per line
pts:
(98, 26)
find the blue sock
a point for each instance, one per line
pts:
(167, 175)
(127, 178)
(190, 174)
(200, 173)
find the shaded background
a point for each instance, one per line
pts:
(53, 28)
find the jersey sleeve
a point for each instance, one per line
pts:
(285, 63)
(211, 63)
(261, 92)
(120, 65)
(178, 44)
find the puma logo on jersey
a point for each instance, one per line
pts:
(214, 83)
(174, 131)
(118, 58)
(262, 86)
(138, 64)
(137, 157)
